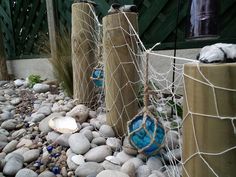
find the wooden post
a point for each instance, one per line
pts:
(213, 135)
(83, 51)
(52, 27)
(3, 65)
(120, 73)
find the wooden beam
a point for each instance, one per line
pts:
(52, 27)
(3, 65)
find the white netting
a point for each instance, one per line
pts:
(125, 60)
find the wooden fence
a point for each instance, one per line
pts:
(24, 22)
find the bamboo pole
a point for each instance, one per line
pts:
(83, 51)
(206, 133)
(120, 87)
(3, 63)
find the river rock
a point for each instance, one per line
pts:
(37, 117)
(43, 125)
(123, 157)
(114, 143)
(63, 140)
(99, 141)
(88, 134)
(136, 161)
(80, 112)
(156, 173)
(129, 169)
(52, 136)
(46, 110)
(11, 146)
(19, 82)
(41, 88)
(78, 159)
(143, 171)
(13, 165)
(18, 133)
(25, 172)
(106, 131)
(24, 143)
(88, 168)
(46, 174)
(107, 165)
(5, 116)
(113, 173)
(31, 155)
(9, 124)
(154, 163)
(15, 101)
(79, 144)
(98, 154)
(128, 148)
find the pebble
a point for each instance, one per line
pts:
(114, 143)
(31, 155)
(128, 148)
(46, 174)
(46, 110)
(63, 140)
(88, 168)
(78, 159)
(13, 165)
(88, 134)
(143, 171)
(98, 154)
(9, 124)
(136, 161)
(80, 112)
(24, 142)
(2, 145)
(79, 144)
(156, 173)
(106, 131)
(70, 163)
(154, 163)
(6, 115)
(26, 173)
(112, 173)
(11, 146)
(123, 157)
(41, 88)
(15, 101)
(19, 82)
(99, 141)
(37, 117)
(4, 132)
(107, 165)
(52, 136)
(18, 133)
(129, 169)
(43, 125)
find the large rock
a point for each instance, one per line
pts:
(41, 88)
(80, 112)
(88, 168)
(106, 131)
(13, 165)
(98, 154)
(31, 155)
(25, 172)
(79, 144)
(113, 173)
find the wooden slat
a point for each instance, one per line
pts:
(150, 14)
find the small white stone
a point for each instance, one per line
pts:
(113, 173)
(154, 163)
(78, 159)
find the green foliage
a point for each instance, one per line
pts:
(34, 79)
(176, 107)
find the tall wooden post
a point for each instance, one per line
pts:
(52, 27)
(83, 51)
(120, 73)
(203, 130)
(3, 65)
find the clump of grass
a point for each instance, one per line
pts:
(62, 63)
(34, 79)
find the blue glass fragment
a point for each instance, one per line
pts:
(56, 170)
(97, 77)
(49, 148)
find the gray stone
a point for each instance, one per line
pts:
(80, 112)
(172, 155)
(106, 131)
(3, 138)
(6, 115)
(46, 174)
(19, 82)
(2, 145)
(63, 140)
(143, 171)
(113, 173)
(19, 151)
(52, 136)
(25, 172)
(41, 88)
(99, 141)
(78, 159)
(123, 157)
(114, 143)
(2, 83)
(129, 169)
(46, 110)
(18, 133)
(136, 161)
(9, 124)
(128, 148)
(24, 142)
(98, 154)
(37, 117)
(70, 163)
(13, 165)
(15, 101)
(31, 155)
(11, 146)
(4, 132)
(88, 134)
(2, 99)
(154, 163)
(107, 165)
(156, 173)
(79, 144)
(88, 168)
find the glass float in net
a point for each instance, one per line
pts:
(98, 75)
(146, 133)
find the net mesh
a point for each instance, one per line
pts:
(125, 58)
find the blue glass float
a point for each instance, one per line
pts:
(146, 133)
(98, 76)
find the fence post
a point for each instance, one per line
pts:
(83, 51)
(120, 74)
(3, 65)
(52, 27)
(203, 130)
